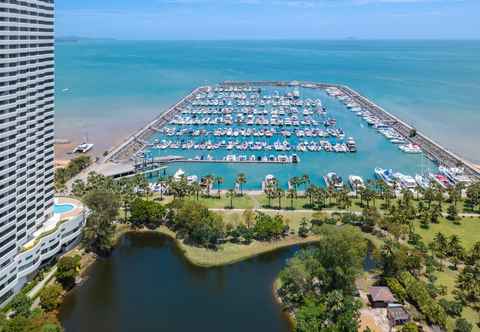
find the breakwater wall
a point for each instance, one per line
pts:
(434, 151)
(136, 142)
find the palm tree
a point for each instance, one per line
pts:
(367, 195)
(361, 192)
(380, 186)
(161, 183)
(330, 194)
(207, 181)
(179, 188)
(196, 189)
(170, 184)
(291, 193)
(231, 194)
(440, 244)
(407, 197)
(389, 194)
(126, 190)
(438, 195)
(347, 200)
(219, 180)
(305, 179)
(141, 183)
(455, 193)
(436, 213)
(294, 182)
(279, 192)
(310, 192)
(455, 250)
(469, 282)
(323, 195)
(241, 180)
(371, 188)
(453, 244)
(270, 190)
(341, 197)
(428, 196)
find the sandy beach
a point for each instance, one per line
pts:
(104, 134)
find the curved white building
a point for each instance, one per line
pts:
(58, 234)
(26, 138)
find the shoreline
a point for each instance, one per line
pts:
(186, 250)
(288, 314)
(92, 259)
(207, 258)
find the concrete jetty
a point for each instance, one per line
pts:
(136, 142)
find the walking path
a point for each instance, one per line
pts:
(329, 211)
(36, 290)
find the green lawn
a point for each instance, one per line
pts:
(468, 230)
(230, 253)
(447, 278)
(239, 202)
(293, 218)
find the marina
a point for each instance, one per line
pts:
(281, 123)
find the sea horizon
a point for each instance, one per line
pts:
(107, 89)
(347, 39)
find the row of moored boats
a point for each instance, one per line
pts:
(383, 128)
(300, 146)
(445, 177)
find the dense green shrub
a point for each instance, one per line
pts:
(269, 228)
(397, 289)
(50, 297)
(147, 213)
(418, 294)
(67, 271)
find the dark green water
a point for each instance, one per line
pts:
(147, 285)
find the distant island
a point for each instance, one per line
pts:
(76, 39)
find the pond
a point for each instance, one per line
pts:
(147, 285)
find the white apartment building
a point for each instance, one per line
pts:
(27, 221)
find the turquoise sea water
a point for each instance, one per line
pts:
(373, 149)
(109, 89)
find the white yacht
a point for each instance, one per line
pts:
(83, 148)
(410, 148)
(422, 181)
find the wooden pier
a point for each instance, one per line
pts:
(434, 151)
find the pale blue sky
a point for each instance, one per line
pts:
(266, 19)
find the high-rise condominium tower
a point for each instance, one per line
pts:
(27, 221)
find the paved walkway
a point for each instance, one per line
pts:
(35, 290)
(358, 213)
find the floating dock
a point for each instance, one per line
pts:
(128, 150)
